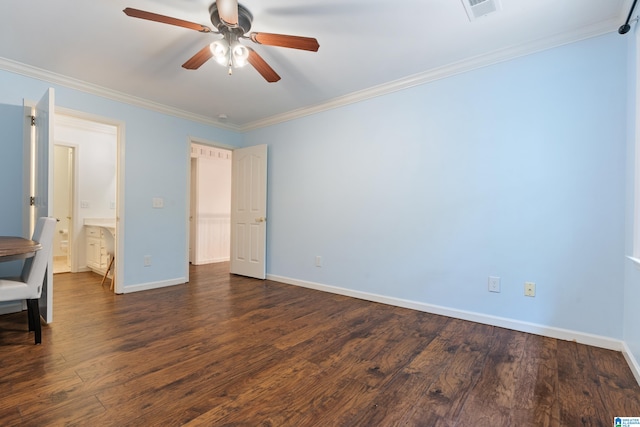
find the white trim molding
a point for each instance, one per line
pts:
(631, 361)
(11, 307)
(440, 73)
(502, 322)
(383, 89)
(152, 285)
(70, 82)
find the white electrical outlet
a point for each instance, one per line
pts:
(318, 261)
(494, 284)
(530, 289)
(147, 260)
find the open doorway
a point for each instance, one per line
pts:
(42, 120)
(85, 188)
(247, 216)
(210, 204)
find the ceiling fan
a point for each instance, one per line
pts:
(233, 22)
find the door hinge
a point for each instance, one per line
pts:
(32, 201)
(33, 120)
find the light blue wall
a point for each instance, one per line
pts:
(10, 167)
(632, 271)
(156, 162)
(11, 197)
(515, 170)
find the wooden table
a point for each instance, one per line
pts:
(12, 248)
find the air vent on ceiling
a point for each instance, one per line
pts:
(477, 8)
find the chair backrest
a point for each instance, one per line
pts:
(35, 267)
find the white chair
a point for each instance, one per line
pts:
(29, 285)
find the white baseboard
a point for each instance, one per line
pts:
(153, 285)
(210, 260)
(11, 307)
(516, 325)
(633, 363)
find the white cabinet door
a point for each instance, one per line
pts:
(93, 253)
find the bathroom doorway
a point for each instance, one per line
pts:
(89, 172)
(63, 194)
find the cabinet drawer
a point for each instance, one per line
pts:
(93, 232)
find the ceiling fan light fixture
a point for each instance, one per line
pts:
(232, 21)
(219, 49)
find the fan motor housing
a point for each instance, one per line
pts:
(244, 20)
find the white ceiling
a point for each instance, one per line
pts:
(367, 47)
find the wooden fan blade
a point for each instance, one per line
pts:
(262, 67)
(228, 11)
(198, 59)
(293, 42)
(136, 13)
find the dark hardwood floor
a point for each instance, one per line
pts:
(227, 350)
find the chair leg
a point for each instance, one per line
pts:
(34, 317)
(30, 316)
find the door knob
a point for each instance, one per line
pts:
(261, 219)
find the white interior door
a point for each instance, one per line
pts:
(249, 211)
(41, 174)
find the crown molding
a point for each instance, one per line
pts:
(440, 73)
(380, 90)
(70, 82)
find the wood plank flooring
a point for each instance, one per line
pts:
(231, 351)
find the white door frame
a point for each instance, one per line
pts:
(120, 174)
(120, 190)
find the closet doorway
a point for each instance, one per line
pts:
(210, 204)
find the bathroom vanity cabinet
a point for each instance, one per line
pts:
(100, 243)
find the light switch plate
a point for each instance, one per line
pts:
(158, 202)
